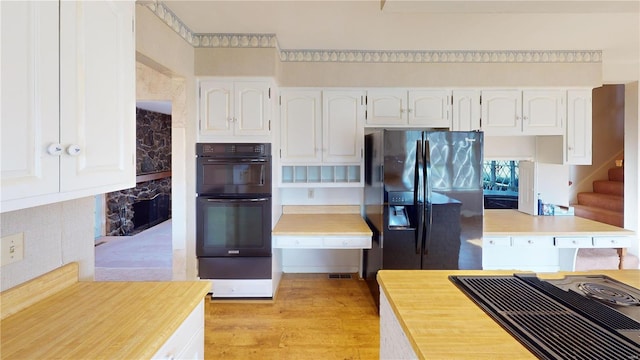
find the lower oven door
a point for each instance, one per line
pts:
(233, 227)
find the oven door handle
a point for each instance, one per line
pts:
(228, 161)
(237, 200)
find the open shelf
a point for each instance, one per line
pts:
(321, 174)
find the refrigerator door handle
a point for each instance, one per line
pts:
(419, 186)
(427, 213)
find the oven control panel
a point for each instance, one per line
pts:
(248, 150)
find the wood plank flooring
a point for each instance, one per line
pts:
(313, 317)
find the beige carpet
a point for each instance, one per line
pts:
(145, 256)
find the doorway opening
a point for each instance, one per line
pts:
(135, 225)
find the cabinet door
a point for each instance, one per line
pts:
(386, 107)
(252, 108)
(29, 103)
(301, 137)
(430, 108)
(527, 188)
(466, 110)
(343, 126)
(501, 112)
(216, 107)
(578, 147)
(97, 87)
(543, 112)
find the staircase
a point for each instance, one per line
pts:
(606, 203)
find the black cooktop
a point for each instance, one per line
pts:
(577, 317)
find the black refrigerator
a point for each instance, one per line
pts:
(423, 201)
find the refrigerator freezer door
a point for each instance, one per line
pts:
(456, 199)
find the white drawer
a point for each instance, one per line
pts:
(611, 241)
(298, 242)
(574, 242)
(341, 242)
(496, 241)
(532, 241)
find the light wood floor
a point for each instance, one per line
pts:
(313, 317)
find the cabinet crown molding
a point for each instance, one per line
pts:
(251, 40)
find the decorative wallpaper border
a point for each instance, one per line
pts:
(366, 56)
(444, 56)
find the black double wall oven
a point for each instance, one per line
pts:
(233, 215)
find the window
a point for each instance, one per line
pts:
(500, 184)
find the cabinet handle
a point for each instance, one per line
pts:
(402, 110)
(73, 150)
(409, 110)
(54, 149)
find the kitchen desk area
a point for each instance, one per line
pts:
(515, 240)
(423, 315)
(321, 239)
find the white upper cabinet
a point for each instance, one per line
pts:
(230, 107)
(422, 108)
(465, 110)
(97, 103)
(502, 112)
(322, 126)
(30, 106)
(523, 112)
(322, 137)
(301, 126)
(579, 117)
(386, 107)
(68, 127)
(543, 112)
(343, 126)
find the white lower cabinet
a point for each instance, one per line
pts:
(394, 343)
(188, 341)
(542, 253)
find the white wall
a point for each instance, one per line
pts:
(159, 48)
(54, 235)
(631, 168)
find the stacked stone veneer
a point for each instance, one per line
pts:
(153, 138)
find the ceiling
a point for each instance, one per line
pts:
(607, 25)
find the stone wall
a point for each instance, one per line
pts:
(153, 141)
(120, 206)
(153, 155)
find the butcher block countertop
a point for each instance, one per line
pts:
(513, 222)
(97, 320)
(312, 221)
(442, 323)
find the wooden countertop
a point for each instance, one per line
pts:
(442, 323)
(513, 222)
(322, 224)
(101, 320)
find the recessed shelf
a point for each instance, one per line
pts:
(321, 174)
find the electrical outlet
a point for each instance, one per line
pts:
(310, 193)
(11, 248)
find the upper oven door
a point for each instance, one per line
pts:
(233, 176)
